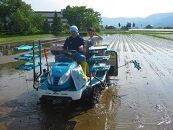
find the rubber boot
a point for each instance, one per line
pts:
(84, 66)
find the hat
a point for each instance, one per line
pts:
(74, 29)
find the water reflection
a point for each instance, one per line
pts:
(8, 50)
(10, 65)
(60, 116)
(25, 112)
(19, 108)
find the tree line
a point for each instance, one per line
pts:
(18, 17)
(126, 27)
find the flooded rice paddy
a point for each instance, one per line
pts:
(136, 100)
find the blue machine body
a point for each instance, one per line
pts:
(61, 70)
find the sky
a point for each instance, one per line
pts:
(108, 8)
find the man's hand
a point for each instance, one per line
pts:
(81, 48)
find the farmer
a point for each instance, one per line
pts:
(75, 42)
(94, 38)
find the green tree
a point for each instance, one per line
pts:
(82, 17)
(25, 21)
(37, 22)
(91, 19)
(128, 25)
(46, 27)
(133, 25)
(4, 13)
(57, 24)
(18, 22)
(119, 25)
(9, 7)
(18, 17)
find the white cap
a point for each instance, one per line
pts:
(74, 29)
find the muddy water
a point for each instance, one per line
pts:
(147, 103)
(20, 109)
(137, 99)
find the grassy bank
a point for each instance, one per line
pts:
(12, 39)
(136, 32)
(159, 34)
(163, 36)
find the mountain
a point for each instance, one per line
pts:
(157, 20)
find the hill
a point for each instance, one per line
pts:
(157, 20)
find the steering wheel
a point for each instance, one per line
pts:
(69, 53)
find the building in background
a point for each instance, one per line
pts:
(50, 14)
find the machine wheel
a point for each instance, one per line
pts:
(91, 96)
(44, 101)
(96, 94)
(86, 95)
